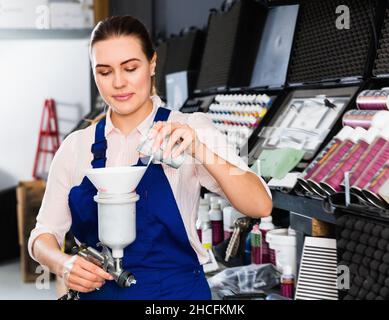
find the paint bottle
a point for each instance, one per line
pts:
(204, 203)
(208, 195)
(198, 227)
(206, 230)
(265, 226)
(287, 282)
(247, 250)
(256, 244)
(204, 206)
(216, 217)
(214, 199)
(223, 203)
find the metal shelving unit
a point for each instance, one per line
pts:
(17, 34)
(309, 207)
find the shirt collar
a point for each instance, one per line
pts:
(144, 126)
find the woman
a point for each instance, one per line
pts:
(166, 258)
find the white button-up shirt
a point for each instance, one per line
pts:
(74, 157)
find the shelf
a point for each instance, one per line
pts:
(17, 34)
(309, 207)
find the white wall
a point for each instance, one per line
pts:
(30, 72)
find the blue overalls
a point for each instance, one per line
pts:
(161, 257)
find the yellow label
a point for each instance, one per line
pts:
(207, 245)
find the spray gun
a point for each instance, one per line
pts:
(105, 261)
(116, 210)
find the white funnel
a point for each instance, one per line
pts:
(116, 179)
(116, 199)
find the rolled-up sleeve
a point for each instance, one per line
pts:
(217, 142)
(54, 214)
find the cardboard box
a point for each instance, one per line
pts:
(29, 197)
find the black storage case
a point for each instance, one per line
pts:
(325, 58)
(275, 39)
(185, 51)
(365, 67)
(322, 53)
(181, 52)
(231, 46)
(370, 279)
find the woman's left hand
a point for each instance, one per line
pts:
(179, 133)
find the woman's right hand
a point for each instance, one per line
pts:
(83, 276)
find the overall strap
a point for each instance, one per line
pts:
(100, 146)
(162, 114)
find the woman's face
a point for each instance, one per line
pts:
(122, 73)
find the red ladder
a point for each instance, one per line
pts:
(48, 142)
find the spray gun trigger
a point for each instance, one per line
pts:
(105, 263)
(106, 254)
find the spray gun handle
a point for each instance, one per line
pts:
(91, 255)
(105, 260)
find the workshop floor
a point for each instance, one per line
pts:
(13, 288)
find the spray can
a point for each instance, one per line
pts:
(216, 218)
(287, 282)
(145, 148)
(265, 226)
(247, 250)
(256, 245)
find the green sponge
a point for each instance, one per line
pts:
(278, 162)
